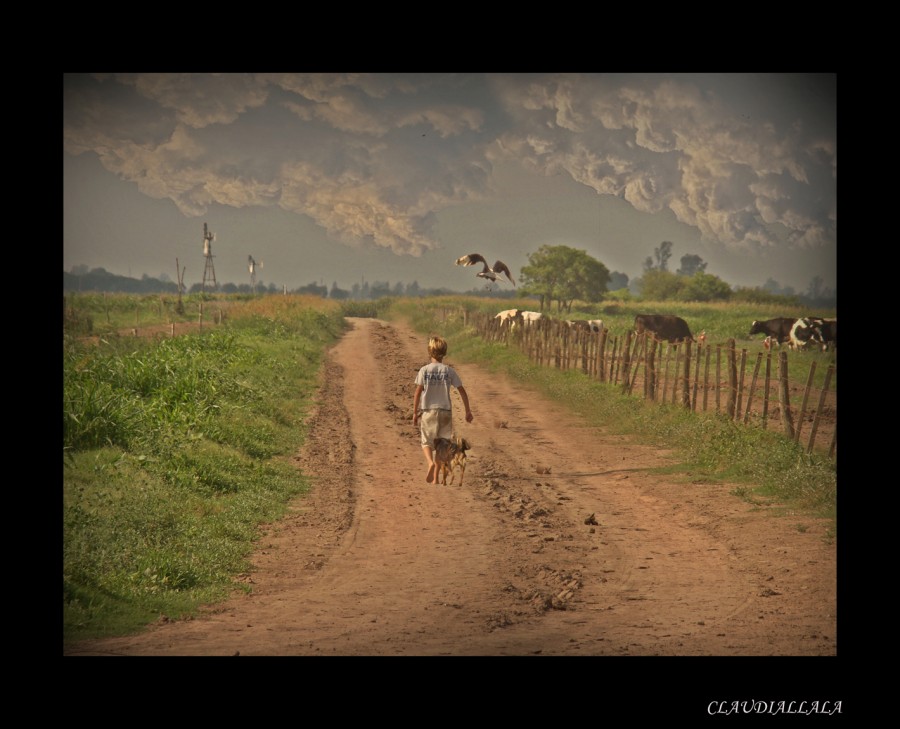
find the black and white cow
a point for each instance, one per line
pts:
(814, 330)
(664, 326)
(583, 324)
(779, 328)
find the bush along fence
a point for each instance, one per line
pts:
(694, 375)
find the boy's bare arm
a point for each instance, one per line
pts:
(465, 398)
(416, 399)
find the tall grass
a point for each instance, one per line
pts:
(175, 451)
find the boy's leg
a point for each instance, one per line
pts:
(431, 465)
(427, 429)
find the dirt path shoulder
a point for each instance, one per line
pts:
(375, 562)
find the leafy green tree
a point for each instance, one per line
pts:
(563, 274)
(667, 286)
(691, 263)
(662, 254)
(657, 285)
(705, 287)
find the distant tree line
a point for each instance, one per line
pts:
(100, 280)
(553, 274)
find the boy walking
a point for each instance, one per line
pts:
(432, 409)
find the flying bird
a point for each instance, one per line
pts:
(492, 273)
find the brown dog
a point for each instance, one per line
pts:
(448, 456)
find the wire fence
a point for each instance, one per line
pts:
(702, 377)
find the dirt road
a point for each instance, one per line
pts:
(375, 562)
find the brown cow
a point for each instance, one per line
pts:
(664, 326)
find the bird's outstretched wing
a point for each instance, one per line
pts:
(471, 260)
(501, 267)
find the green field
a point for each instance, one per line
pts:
(175, 450)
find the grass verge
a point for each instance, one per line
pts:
(175, 452)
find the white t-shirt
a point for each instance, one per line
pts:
(436, 378)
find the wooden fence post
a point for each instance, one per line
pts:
(626, 357)
(651, 373)
(601, 352)
(686, 389)
(732, 379)
(675, 371)
(785, 396)
(718, 378)
(706, 377)
(822, 396)
(696, 378)
(641, 345)
(740, 389)
(613, 359)
(752, 387)
(765, 412)
(809, 381)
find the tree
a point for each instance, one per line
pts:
(337, 292)
(659, 285)
(662, 254)
(691, 263)
(314, 289)
(814, 291)
(705, 287)
(667, 286)
(563, 274)
(618, 281)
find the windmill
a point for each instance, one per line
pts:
(252, 266)
(209, 272)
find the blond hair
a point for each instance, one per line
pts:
(437, 347)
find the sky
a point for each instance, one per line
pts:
(386, 177)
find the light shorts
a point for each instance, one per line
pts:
(435, 424)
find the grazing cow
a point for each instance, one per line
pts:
(814, 330)
(589, 325)
(829, 332)
(664, 326)
(579, 324)
(779, 328)
(531, 317)
(506, 318)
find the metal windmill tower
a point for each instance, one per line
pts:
(209, 272)
(253, 265)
